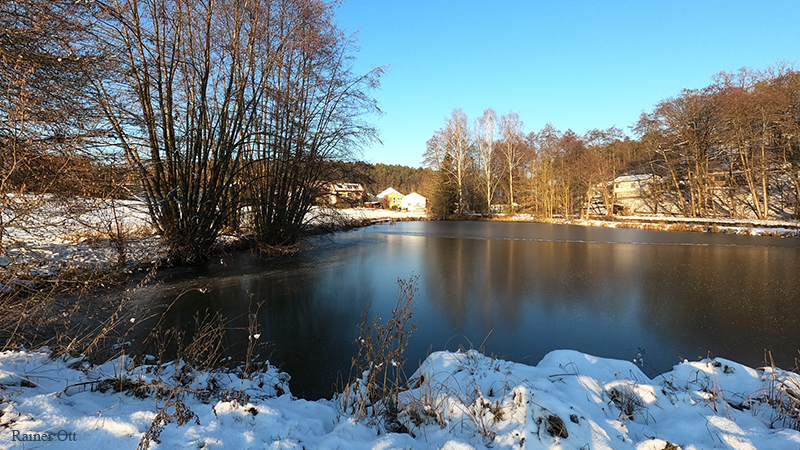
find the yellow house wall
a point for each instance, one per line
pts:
(394, 199)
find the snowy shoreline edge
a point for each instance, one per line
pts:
(458, 400)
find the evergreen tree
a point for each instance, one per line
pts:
(444, 200)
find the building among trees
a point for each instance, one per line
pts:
(393, 198)
(348, 193)
(414, 202)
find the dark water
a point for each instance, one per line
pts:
(519, 290)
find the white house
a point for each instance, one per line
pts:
(414, 202)
(631, 194)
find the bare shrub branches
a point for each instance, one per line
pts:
(235, 109)
(380, 358)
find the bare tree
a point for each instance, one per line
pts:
(511, 148)
(310, 109)
(599, 162)
(685, 128)
(753, 107)
(180, 108)
(787, 82)
(542, 167)
(223, 104)
(487, 154)
(45, 122)
(569, 184)
(454, 141)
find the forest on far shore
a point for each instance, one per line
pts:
(730, 149)
(229, 118)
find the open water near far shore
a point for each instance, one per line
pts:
(516, 290)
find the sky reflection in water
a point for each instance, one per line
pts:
(519, 290)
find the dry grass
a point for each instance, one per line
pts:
(781, 394)
(450, 403)
(66, 313)
(379, 361)
(627, 401)
(425, 403)
(104, 233)
(202, 351)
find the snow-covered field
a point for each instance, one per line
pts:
(50, 236)
(459, 401)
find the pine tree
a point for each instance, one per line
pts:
(445, 196)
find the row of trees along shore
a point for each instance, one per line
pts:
(731, 149)
(230, 113)
(217, 112)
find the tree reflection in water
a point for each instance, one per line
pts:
(530, 288)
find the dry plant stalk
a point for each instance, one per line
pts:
(782, 394)
(380, 358)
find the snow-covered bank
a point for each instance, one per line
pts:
(53, 236)
(460, 401)
(729, 226)
(365, 214)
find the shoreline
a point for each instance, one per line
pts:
(701, 225)
(455, 401)
(50, 250)
(663, 223)
(751, 227)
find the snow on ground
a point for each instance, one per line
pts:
(318, 214)
(52, 235)
(460, 401)
(730, 226)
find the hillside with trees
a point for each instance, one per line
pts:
(377, 177)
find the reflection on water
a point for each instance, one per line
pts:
(519, 290)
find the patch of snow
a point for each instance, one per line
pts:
(569, 400)
(54, 235)
(320, 215)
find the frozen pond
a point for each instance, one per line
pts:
(518, 289)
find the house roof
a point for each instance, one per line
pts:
(387, 192)
(347, 187)
(414, 196)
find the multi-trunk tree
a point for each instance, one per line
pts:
(228, 109)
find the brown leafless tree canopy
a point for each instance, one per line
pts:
(228, 108)
(731, 149)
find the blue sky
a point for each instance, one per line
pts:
(576, 64)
